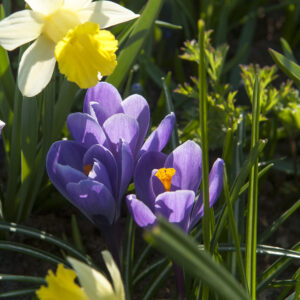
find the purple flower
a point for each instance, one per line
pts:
(93, 171)
(168, 185)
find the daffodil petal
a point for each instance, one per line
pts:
(45, 6)
(94, 284)
(114, 274)
(76, 4)
(20, 28)
(106, 14)
(36, 67)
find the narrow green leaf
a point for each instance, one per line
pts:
(275, 269)
(287, 50)
(63, 106)
(149, 270)
(183, 251)
(17, 293)
(235, 189)
(76, 234)
(291, 69)
(251, 235)
(158, 281)
(31, 251)
(234, 232)
(204, 135)
(21, 278)
(170, 108)
(135, 42)
(277, 223)
(42, 235)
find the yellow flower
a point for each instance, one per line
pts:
(61, 286)
(66, 31)
(94, 284)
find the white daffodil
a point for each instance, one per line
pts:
(66, 31)
(94, 285)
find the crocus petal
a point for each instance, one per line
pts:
(143, 171)
(20, 28)
(85, 130)
(187, 161)
(100, 174)
(125, 165)
(140, 212)
(102, 154)
(93, 198)
(106, 14)
(46, 6)
(215, 189)
(176, 207)
(76, 4)
(156, 186)
(121, 127)
(62, 176)
(63, 164)
(65, 153)
(137, 107)
(108, 98)
(160, 136)
(36, 67)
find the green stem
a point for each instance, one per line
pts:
(251, 237)
(204, 143)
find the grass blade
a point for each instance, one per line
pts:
(135, 42)
(183, 251)
(291, 69)
(251, 235)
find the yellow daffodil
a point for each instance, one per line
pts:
(94, 284)
(66, 31)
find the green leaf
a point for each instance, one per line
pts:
(291, 69)
(31, 251)
(42, 235)
(23, 292)
(21, 278)
(275, 269)
(275, 225)
(183, 251)
(135, 43)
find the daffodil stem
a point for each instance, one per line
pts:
(204, 143)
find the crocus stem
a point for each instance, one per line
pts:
(179, 280)
(112, 238)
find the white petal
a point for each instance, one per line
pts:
(20, 28)
(106, 14)
(36, 67)
(76, 4)
(94, 284)
(114, 274)
(45, 6)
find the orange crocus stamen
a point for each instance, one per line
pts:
(165, 176)
(87, 169)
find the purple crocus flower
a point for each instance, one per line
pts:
(94, 171)
(168, 185)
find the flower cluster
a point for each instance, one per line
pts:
(168, 185)
(93, 171)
